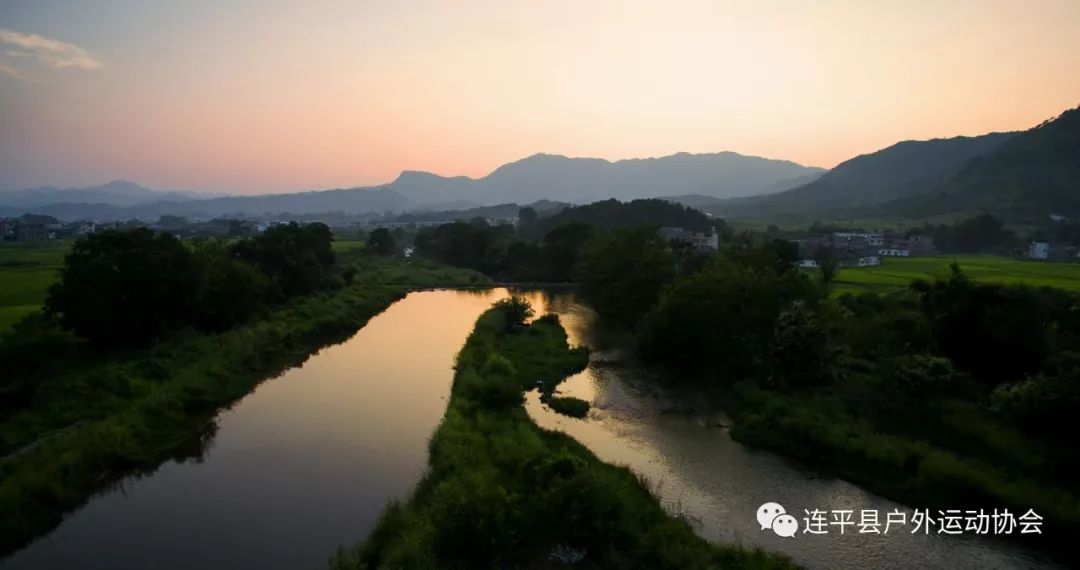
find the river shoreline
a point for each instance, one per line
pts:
(198, 377)
(686, 442)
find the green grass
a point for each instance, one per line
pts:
(344, 244)
(103, 416)
(26, 272)
(502, 493)
(898, 272)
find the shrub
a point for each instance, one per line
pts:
(567, 406)
(516, 311)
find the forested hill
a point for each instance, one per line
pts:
(610, 215)
(1022, 176)
(1027, 177)
(902, 170)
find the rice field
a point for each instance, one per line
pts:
(26, 272)
(898, 272)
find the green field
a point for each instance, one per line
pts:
(26, 272)
(897, 272)
(343, 244)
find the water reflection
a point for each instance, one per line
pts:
(300, 466)
(683, 449)
(308, 461)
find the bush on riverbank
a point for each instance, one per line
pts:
(568, 406)
(502, 492)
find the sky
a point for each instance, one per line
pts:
(257, 96)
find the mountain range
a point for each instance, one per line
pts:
(117, 193)
(538, 177)
(1022, 176)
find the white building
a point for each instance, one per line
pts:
(894, 252)
(1039, 250)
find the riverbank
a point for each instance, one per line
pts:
(101, 418)
(947, 454)
(502, 491)
(952, 457)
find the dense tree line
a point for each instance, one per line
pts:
(552, 248)
(611, 215)
(834, 371)
(129, 288)
(984, 233)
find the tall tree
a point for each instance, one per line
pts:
(828, 266)
(126, 288)
(381, 241)
(623, 272)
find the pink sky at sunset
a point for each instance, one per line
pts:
(250, 96)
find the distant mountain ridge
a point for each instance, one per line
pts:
(583, 180)
(899, 171)
(538, 177)
(117, 193)
(1027, 177)
(1021, 176)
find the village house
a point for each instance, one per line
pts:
(849, 249)
(699, 240)
(1047, 251)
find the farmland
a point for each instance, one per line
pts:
(897, 273)
(26, 272)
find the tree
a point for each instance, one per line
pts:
(827, 265)
(126, 288)
(562, 247)
(622, 273)
(381, 241)
(168, 222)
(231, 291)
(475, 245)
(39, 219)
(723, 318)
(527, 216)
(297, 259)
(997, 333)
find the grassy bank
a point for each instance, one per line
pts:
(501, 492)
(898, 272)
(951, 455)
(101, 417)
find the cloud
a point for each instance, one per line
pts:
(54, 53)
(10, 71)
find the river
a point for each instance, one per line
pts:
(682, 447)
(308, 461)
